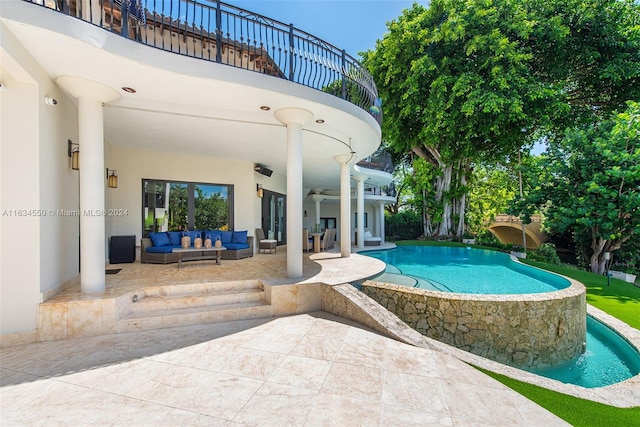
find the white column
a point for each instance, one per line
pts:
(345, 204)
(317, 201)
(381, 221)
(92, 178)
(360, 179)
(294, 119)
(90, 96)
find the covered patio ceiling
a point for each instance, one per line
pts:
(188, 105)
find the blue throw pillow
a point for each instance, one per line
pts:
(226, 236)
(214, 234)
(195, 233)
(160, 239)
(174, 237)
(239, 237)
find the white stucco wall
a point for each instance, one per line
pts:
(38, 248)
(135, 165)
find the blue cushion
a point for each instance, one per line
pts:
(236, 246)
(174, 237)
(160, 249)
(194, 234)
(160, 239)
(226, 236)
(215, 235)
(239, 237)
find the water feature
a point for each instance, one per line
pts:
(608, 358)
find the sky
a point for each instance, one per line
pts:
(352, 25)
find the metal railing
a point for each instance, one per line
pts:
(219, 32)
(380, 160)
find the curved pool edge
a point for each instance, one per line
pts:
(625, 394)
(523, 330)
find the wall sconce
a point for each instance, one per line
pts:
(259, 190)
(73, 151)
(112, 178)
(305, 213)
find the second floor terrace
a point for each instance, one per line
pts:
(197, 78)
(219, 32)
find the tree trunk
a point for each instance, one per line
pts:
(597, 262)
(463, 201)
(426, 218)
(443, 185)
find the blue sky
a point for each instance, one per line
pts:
(352, 25)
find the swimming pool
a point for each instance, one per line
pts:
(466, 270)
(608, 359)
(450, 294)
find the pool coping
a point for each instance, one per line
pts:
(624, 394)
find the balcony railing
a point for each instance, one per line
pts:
(219, 32)
(380, 160)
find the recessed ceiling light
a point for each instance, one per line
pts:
(128, 89)
(320, 121)
(265, 108)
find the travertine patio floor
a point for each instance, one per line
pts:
(310, 369)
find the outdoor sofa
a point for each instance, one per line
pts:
(158, 247)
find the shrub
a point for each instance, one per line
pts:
(545, 253)
(404, 225)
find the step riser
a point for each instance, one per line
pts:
(201, 288)
(156, 304)
(204, 317)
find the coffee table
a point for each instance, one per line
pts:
(184, 253)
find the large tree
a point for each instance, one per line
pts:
(465, 81)
(456, 87)
(590, 185)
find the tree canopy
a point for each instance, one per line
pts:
(590, 184)
(469, 81)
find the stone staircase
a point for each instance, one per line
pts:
(158, 307)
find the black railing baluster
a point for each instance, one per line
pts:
(270, 46)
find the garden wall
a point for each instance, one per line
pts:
(519, 330)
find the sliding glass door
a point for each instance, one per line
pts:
(274, 225)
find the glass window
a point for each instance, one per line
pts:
(174, 206)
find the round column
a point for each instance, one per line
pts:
(360, 179)
(91, 95)
(92, 218)
(381, 222)
(294, 119)
(345, 204)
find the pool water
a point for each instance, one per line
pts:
(466, 270)
(608, 359)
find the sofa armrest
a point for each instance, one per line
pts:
(145, 243)
(250, 241)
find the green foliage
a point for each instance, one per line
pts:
(545, 253)
(491, 190)
(591, 184)
(404, 225)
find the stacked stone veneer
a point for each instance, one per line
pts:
(518, 330)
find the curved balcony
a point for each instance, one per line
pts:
(219, 32)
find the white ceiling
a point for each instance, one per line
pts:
(189, 105)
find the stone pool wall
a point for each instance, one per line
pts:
(518, 330)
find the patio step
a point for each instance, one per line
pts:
(190, 304)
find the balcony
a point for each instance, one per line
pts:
(222, 33)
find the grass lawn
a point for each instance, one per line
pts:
(621, 300)
(575, 411)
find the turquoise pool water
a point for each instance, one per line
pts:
(466, 270)
(608, 358)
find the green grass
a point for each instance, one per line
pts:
(575, 411)
(621, 300)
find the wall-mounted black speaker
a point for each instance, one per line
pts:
(262, 170)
